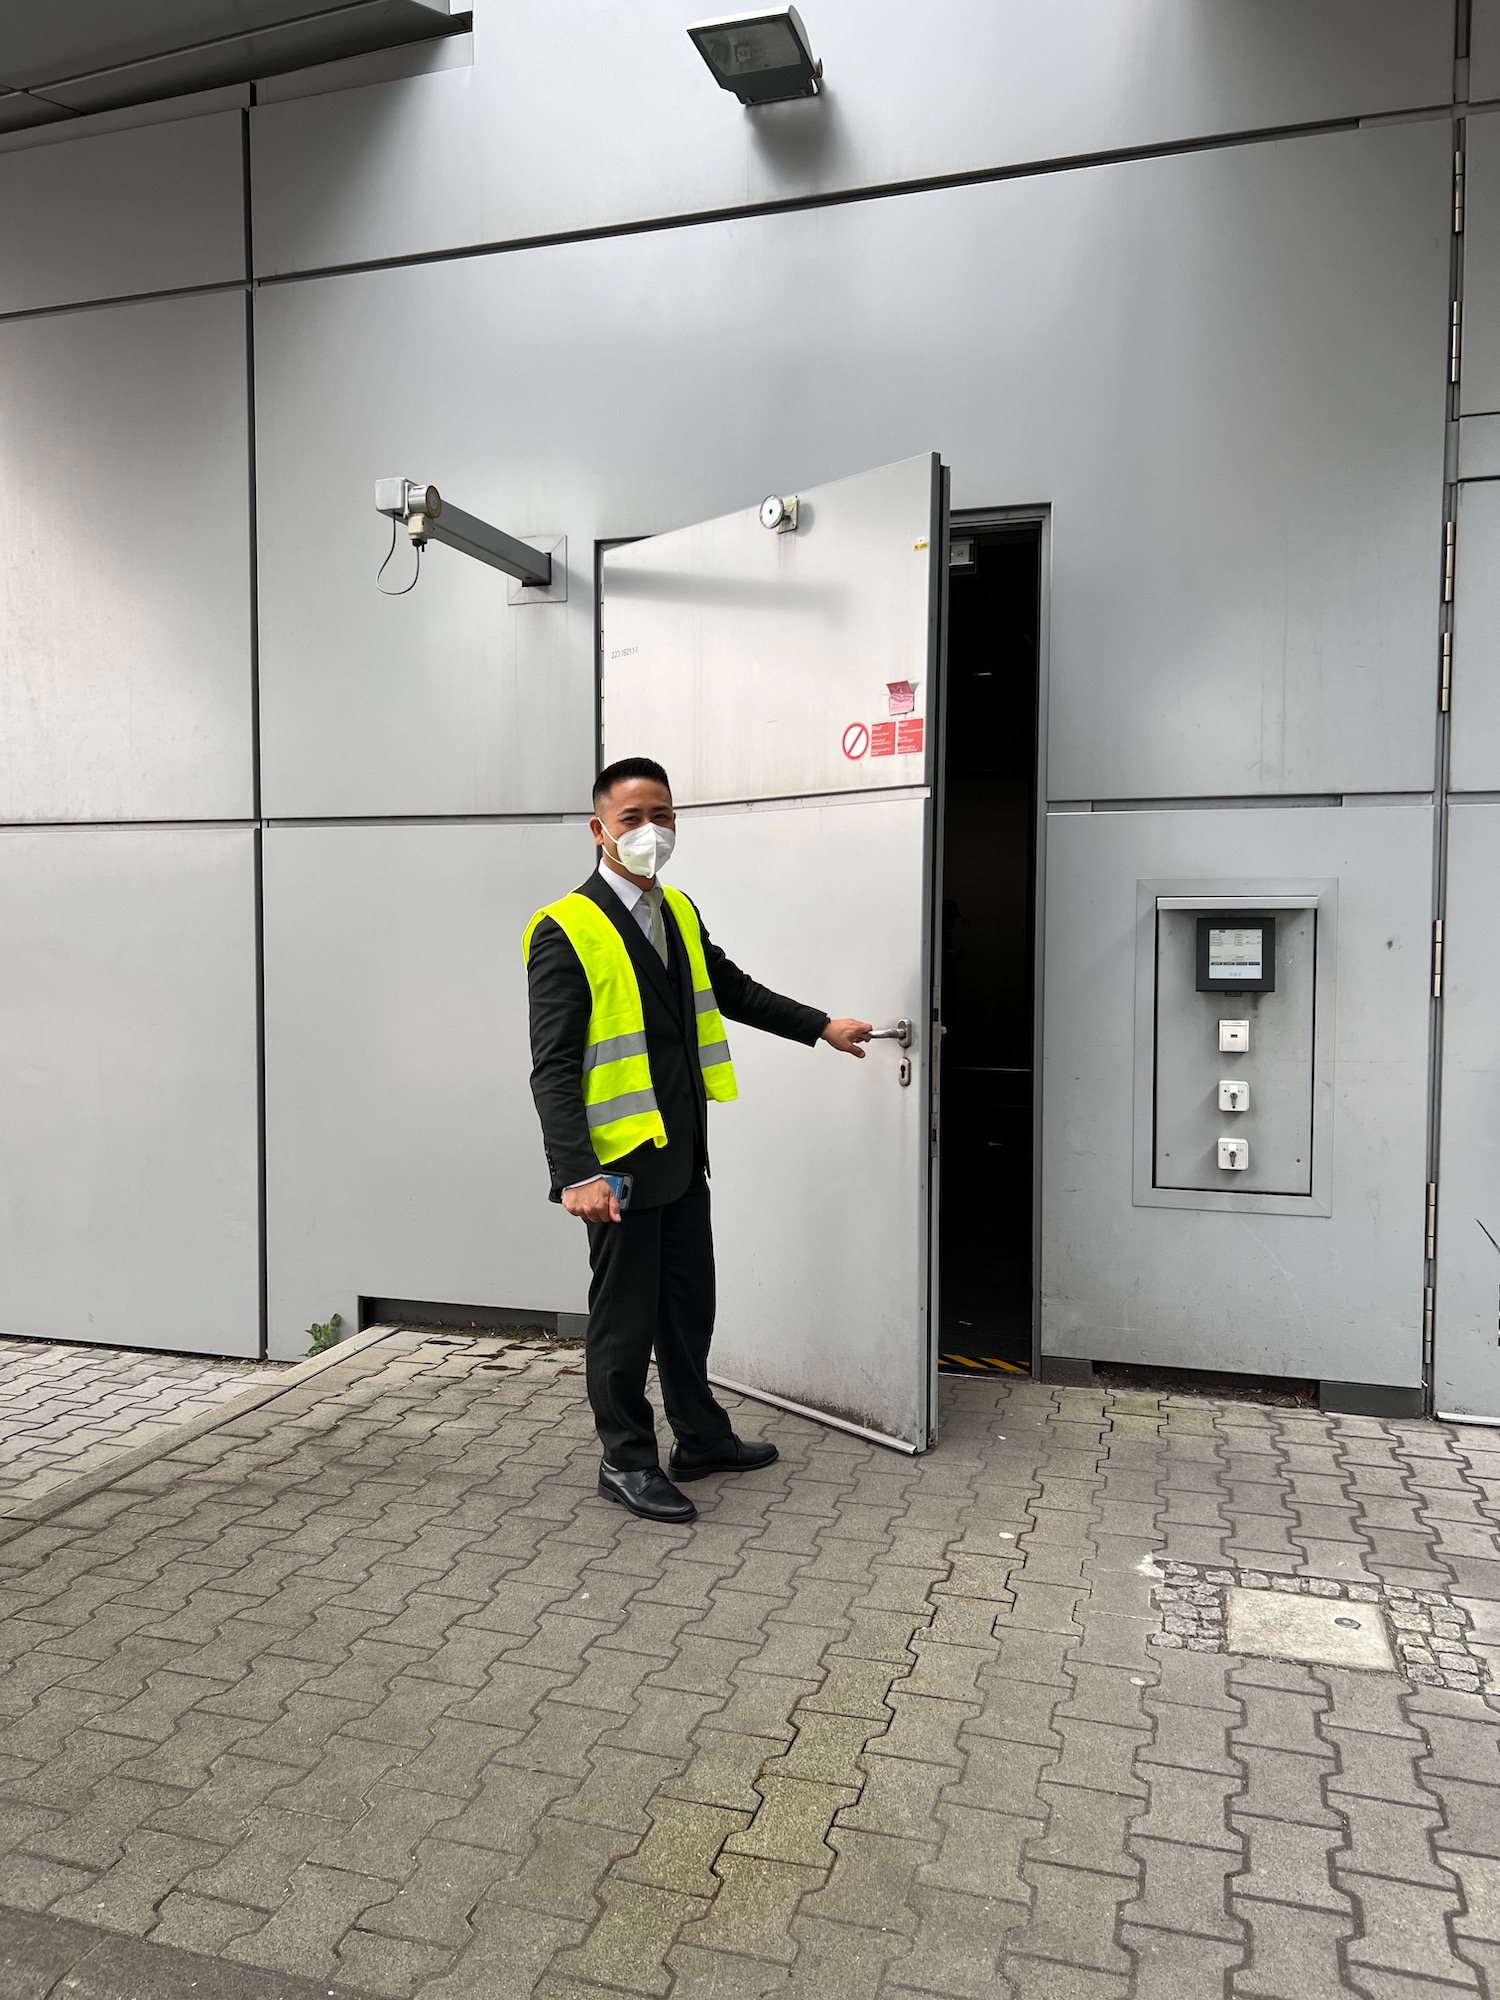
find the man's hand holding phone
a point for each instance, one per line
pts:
(598, 1201)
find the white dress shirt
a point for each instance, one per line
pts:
(632, 894)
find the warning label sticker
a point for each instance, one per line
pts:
(902, 738)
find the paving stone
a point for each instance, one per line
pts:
(1282, 1785)
(1194, 1806)
(449, 1881)
(1085, 1830)
(1405, 1930)
(302, 1934)
(682, 1847)
(125, 1895)
(841, 1961)
(794, 1819)
(33, 1882)
(1393, 1841)
(956, 1948)
(723, 1769)
(1073, 1918)
(754, 1907)
(1000, 1776)
(505, 1959)
(395, 1966)
(1291, 1864)
(716, 1975)
(1373, 1767)
(199, 1924)
(1019, 1711)
(627, 1944)
(1100, 1758)
(1037, 1979)
(1171, 1967)
(617, 1790)
(872, 1880)
(980, 1853)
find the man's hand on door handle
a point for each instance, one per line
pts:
(847, 1036)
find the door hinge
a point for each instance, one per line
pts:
(1450, 536)
(1431, 1249)
(1437, 959)
(1427, 1317)
(1453, 340)
(1445, 685)
(1458, 194)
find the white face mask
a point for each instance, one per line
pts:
(645, 850)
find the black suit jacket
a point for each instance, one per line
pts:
(560, 1008)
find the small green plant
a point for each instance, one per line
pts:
(323, 1337)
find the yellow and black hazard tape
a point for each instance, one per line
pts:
(956, 1364)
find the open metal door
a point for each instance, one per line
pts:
(786, 678)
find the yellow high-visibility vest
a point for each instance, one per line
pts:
(618, 1098)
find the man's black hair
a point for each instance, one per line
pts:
(627, 767)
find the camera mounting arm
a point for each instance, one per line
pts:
(427, 517)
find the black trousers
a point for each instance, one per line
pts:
(653, 1287)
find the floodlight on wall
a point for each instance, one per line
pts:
(763, 57)
(427, 517)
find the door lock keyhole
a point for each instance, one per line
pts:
(903, 1072)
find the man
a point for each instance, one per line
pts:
(629, 996)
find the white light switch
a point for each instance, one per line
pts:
(1234, 1038)
(1233, 1094)
(1234, 1155)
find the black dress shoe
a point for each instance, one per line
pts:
(646, 1491)
(734, 1455)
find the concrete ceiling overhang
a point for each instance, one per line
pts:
(75, 56)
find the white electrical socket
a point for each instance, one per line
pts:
(1234, 1038)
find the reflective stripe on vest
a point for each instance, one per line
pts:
(619, 1101)
(713, 1045)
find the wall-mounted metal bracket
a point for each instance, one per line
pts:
(429, 518)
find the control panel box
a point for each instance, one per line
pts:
(1234, 1044)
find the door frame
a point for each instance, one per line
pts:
(1036, 515)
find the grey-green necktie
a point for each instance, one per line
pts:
(658, 927)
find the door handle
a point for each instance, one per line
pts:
(900, 1034)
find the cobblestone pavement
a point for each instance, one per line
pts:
(67, 1410)
(367, 1692)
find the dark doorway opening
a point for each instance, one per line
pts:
(987, 951)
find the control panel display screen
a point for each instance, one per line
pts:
(1236, 954)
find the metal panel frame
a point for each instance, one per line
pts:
(1319, 893)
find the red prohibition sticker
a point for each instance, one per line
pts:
(856, 741)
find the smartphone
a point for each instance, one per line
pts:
(621, 1186)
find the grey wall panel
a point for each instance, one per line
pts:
(128, 1173)
(125, 563)
(1474, 755)
(1466, 1361)
(632, 125)
(1480, 379)
(403, 1154)
(122, 213)
(1336, 1297)
(1484, 50)
(1223, 370)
